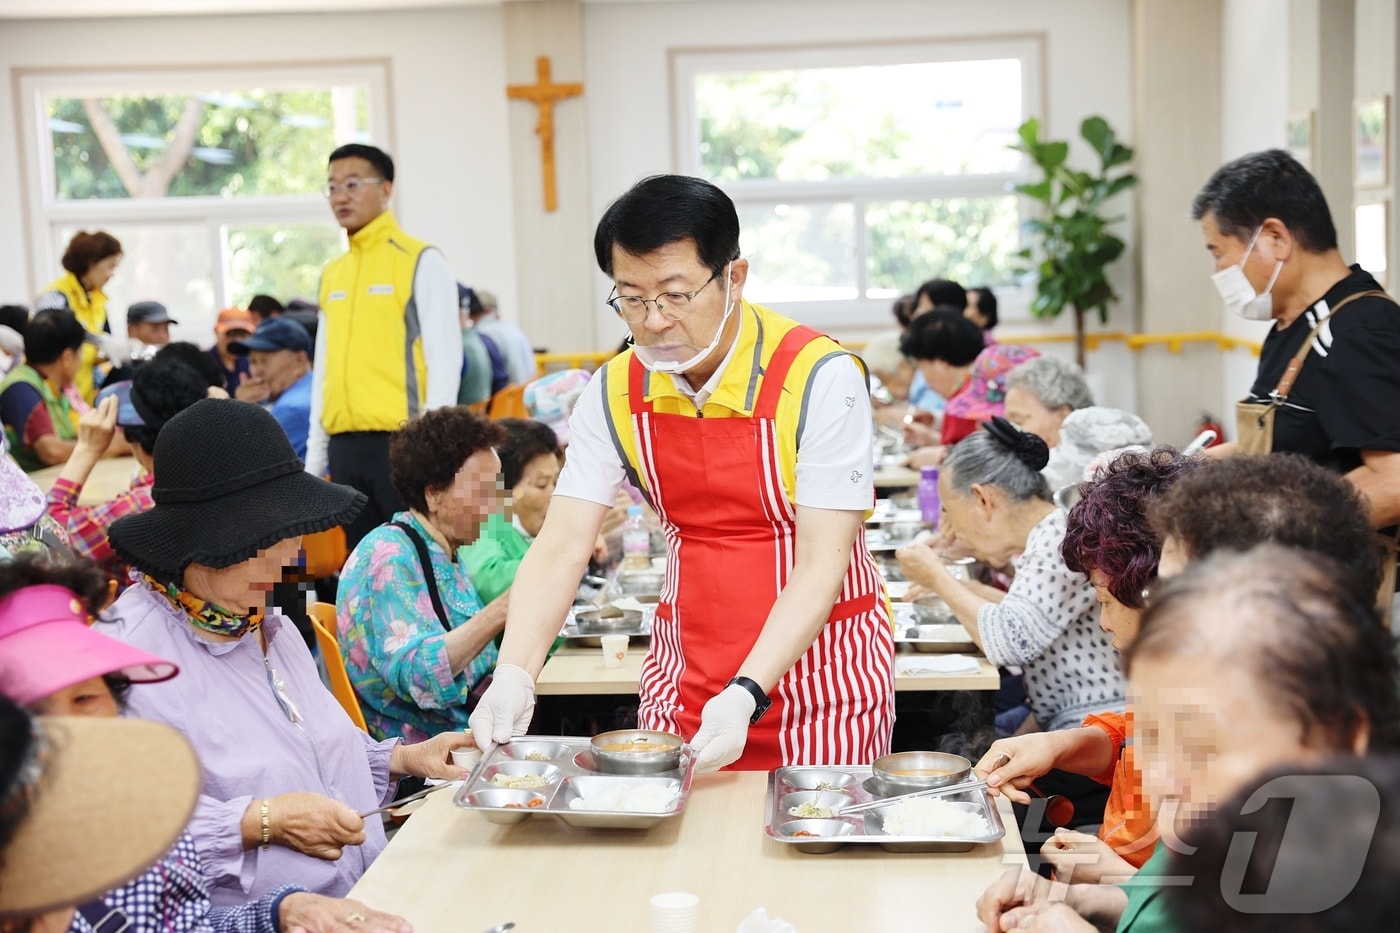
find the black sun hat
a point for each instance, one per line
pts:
(228, 484)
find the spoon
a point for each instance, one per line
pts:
(1059, 809)
(502, 928)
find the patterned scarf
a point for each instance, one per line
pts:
(205, 615)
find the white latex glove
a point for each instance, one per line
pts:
(724, 728)
(505, 708)
(114, 348)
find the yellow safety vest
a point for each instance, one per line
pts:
(376, 378)
(90, 307)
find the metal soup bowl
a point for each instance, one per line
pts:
(905, 772)
(932, 610)
(649, 752)
(602, 622)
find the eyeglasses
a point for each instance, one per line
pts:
(351, 187)
(673, 305)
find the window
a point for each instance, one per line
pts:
(861, 172)
(210, 180)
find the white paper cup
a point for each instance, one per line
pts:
(466, 758)
(614, 650)
(675, 912)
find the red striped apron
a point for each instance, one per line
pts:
(731, 534)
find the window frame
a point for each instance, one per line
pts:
(46, 213)
(861, 312)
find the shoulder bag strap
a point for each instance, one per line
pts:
(426, 560)
(1295, 365)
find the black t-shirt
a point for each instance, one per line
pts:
(1347, 396)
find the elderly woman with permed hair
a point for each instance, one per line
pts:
(416, 636)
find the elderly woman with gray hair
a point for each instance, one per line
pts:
(1042, 392)
(997, 505)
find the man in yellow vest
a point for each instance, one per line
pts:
(387, 344)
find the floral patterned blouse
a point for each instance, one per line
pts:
(394, 646)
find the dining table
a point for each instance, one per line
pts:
(109, 476)
(448, 869)
(574, 671)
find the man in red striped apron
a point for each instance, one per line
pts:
(750, 436)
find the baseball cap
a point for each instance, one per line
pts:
(127, 415)
(234, 319)
(46, 645)
(275, 333)
(149, 312)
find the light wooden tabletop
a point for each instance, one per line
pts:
(449, 870)
(896, 477)
(580, 671)
(109, 477)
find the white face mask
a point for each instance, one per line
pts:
(658, 359)
(1239, 295)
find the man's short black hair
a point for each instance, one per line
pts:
(371, 154)
(195, 358)
(943, 293)
(1244, 193)
(50, 333)
(15, 317)
(943, 334)
(265, 306)
(986, 305)
(665, 209)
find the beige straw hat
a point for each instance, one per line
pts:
(105, 798)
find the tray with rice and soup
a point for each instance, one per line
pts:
(630, 779)
(804, 805)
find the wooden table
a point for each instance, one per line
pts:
(896, 478)
(450, 870)
(110, 476)
(580, 671)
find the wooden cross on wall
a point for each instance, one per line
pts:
(544, 93)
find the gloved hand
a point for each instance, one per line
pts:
(115, 348)
(724, 728)
(504, 710)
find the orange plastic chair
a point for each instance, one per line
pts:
(323, 621)
(509, 402)
(326, 553)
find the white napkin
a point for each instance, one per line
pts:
(760, 922)
(937, 664)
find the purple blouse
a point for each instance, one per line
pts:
(223, 702)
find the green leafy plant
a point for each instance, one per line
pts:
(1071, 243)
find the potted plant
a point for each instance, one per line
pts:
(1071, 239)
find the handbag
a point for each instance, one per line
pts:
(425, 561)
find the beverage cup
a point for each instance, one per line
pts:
(614, 650)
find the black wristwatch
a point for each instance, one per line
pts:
(760, 699)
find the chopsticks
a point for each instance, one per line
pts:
(931, 792)
(409, 799)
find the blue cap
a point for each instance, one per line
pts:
(127, 416)
(275, 333)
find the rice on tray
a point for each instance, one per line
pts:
(927, 816)
(630, 797)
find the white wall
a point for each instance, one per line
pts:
(1254, 113)
(448, 121)
(1088, 70)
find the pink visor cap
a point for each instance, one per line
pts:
(47, 646)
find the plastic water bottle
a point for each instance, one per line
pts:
(928, 494)
(636, 540)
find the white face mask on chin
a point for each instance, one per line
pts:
(654, 358)
(1239, 295)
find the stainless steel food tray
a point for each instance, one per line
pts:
(858, 784)
(566, 761)
(594, 639)
(935, 638)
